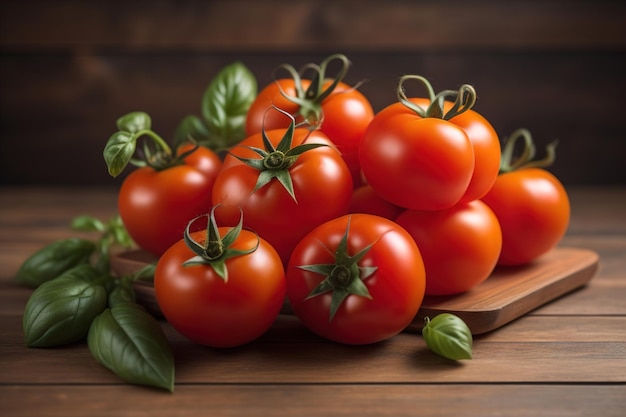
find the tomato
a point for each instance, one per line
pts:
(343, 115)
(155, 205)
(415, 156)
(357, 279)
(218, 312)
(534, 211)
(365, 200)
(486, 145)
(460, 246)
(322, 186)
(414, 162)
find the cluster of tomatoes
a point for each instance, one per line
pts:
(351, 216)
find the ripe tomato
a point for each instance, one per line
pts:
(460, 246)
(414, 162)
(534, 211)
(155, 206)
(343, 115)
(214, 311)
(365, 200)
(322, 186)
(412, 156)
(357, 279)
(486, 145)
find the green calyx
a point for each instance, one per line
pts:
(121, 146)
(310, 99)
(274, 162)
(344, 277)
(463, 99)
(508, 161)
(216, 250)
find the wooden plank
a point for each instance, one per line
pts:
(276, 400)
(509, 293)
(290, 354)
(308, 24)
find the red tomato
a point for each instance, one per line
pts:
(322, 187)
(365, 200)
(215, 312)
(391, 270)
(460, 246)
(534, 211)
(414, 162)
(486, 145)
(346, 112)
(155, 206)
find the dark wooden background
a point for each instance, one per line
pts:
(68, 69)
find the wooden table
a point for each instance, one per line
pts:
(567, 358)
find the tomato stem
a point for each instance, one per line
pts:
(310, 100)
(275, 161)
(509, 162)
(342, 278)
(216, 250)
(463, 99)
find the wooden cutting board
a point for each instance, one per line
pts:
(509, 293)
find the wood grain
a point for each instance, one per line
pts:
(564, 359)
(328, 400)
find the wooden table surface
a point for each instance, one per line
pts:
(567, 358)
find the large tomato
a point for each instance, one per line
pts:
(531, 204)
(486, 145)
(423, 159)
(460, 246)
(321, 182)
(357, 279)
(338, 109)
(534, 210)
(416, 163)
(156, 205)
(215, 310)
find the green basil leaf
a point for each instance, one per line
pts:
(225, 104)
(60, 311)
(131, 343)
(118, 152)
(54, 259)
(88, 224)
(449, 336)
(191, 127)
(134, 122)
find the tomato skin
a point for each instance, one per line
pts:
(486, 145)
(322, 186)
(209, 311)
(365, 200)
(396, 287)
(416, 163)
(156, 206)
(534, 211)
(346, 114)
(460, 246)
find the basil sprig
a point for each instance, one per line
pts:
(224, 106)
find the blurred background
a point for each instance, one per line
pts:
(69, 69)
